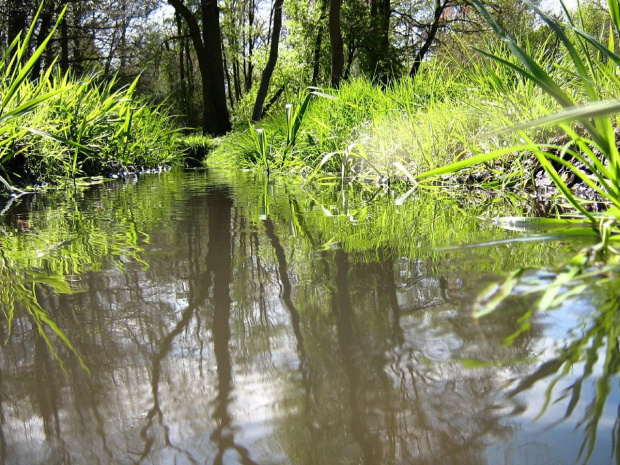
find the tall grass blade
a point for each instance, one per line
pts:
(475, 160)
(25, 70)
(614, 14)
(539, 75)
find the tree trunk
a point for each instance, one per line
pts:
(190, 73)
(216, 120)
(417, 61)
(220, 123)
(274, 98)
(250, 58)
(378, 45)
(18, 16)
(124, 24)
(237, 79)
(317, 45)
(271, 62)
(231, 99)
(64, 45)
(78, 43)
(182, 75)
(350, 55)
(385, 69)
(335, 40)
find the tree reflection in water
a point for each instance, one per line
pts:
(217, 332)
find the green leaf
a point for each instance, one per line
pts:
(475, 160)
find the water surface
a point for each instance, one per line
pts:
(207, 317)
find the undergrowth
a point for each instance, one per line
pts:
(60, 126)
(453, 110)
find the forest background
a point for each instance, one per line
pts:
(222, 63)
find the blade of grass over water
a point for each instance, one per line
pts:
(537, 73)
(560, 235)
(577, 113)
(468, 162)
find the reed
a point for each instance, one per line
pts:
(261, 146)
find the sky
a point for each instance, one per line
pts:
(555, 4)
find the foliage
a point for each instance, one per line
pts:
(61, 126)
(196, 148)
(591, 155)
(446, 113)
(91, 129)
(261, 147)
(20, 96)
(590, 152)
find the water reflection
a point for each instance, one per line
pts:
(232, 321)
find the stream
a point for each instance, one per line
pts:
(211, 317)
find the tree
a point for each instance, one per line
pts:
(335, 40)
(316, 55)
(208, 47)
(440, 7)
(257, 113)
(379, 56)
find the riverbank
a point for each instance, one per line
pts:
(450, 112)
(510, 117)
(56, 127)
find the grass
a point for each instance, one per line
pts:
(97, 129)
(196, 148)
(58, 126)
(595, 148)
(499, 118)
(590, 151)
(361, 132)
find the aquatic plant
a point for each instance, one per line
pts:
(261, 146)
(196, 147)
(294, 118)
(261, 150)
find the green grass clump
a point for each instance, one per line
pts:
(590, 150)
(586, 78)
(90, 129)
(196, 148)
(59, 126)
(450, 112)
